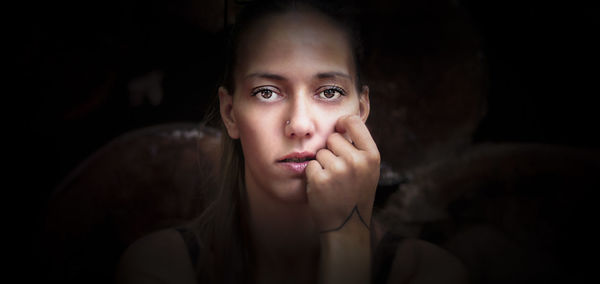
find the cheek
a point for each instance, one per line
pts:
(256, 132)
(327, 122)
(329, 117)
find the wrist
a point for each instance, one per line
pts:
(346, 254)
(353, 233)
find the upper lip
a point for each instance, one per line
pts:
(297, 155)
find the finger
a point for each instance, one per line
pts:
(327, 159)
(340, 146)
(358, 132)
(313, 169)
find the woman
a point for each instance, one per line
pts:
(299, 170)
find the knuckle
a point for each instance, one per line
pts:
(365, 163)
(374, 157)
(332, 138)
(336, 136)
(377, 158)
(363, 167)
(312, 165)
(354, 119)
(320, 181)
(338, 167)
(359, 159)
(356, 161)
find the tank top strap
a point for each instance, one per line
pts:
(191, 243)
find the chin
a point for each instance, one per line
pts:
(292, 192)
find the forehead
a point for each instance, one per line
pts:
(295, 43)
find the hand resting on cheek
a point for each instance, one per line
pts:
(342, 180)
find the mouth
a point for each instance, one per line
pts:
(297, 158)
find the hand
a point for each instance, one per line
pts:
(343, 178)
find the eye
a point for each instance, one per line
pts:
(331, 93)
(266, 94)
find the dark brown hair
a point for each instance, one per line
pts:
(343, 15)
(222, 232)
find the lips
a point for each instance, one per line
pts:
(297, 157)
(295, 163)
(296, 160)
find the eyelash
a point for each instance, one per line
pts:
(318, 95)
(334, 88)
(262, 89)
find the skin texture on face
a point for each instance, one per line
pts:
(295, 67)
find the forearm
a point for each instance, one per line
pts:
(346, 254)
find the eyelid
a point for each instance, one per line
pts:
(330, 87)
(275, 92)
(335, 87)
(256, 90)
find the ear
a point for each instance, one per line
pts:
(364, 104)
(227, 115)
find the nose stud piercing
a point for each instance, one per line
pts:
(287, 122)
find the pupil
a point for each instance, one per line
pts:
(329, 94)
(267, 94)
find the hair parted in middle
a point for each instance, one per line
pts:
(222, 229)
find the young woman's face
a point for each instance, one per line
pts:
(295, 77)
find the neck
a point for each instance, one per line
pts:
(283, 233)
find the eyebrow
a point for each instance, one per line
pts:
(328, 75)
(266, 76)
(324, 75)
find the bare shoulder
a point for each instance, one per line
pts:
(419, 261)
(160, 257)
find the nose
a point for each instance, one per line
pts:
(300, 120)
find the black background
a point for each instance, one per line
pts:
(541, 58)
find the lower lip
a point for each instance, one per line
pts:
(297, 168)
